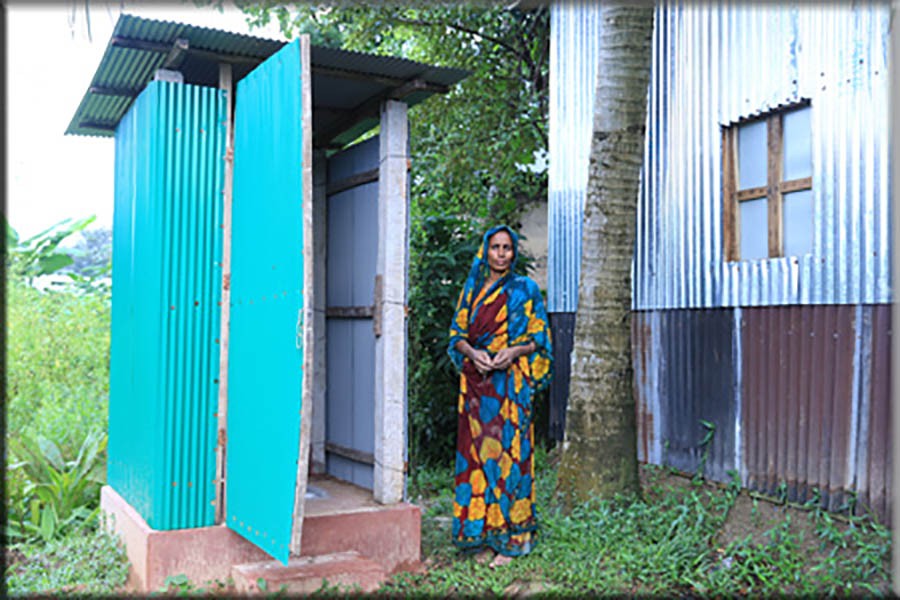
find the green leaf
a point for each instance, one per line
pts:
(50, 452)
(54, 262)
(262, 584)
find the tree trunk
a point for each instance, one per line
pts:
(600, 445)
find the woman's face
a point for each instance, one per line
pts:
(500, 252)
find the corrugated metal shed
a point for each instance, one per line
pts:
(712, 65)
(165, 321)
(347, 86)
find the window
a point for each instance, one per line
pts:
(767, 186)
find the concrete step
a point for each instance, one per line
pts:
(307, 574)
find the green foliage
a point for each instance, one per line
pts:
(668, 542)
(469, 147)
(57, 363)
(57, 388)
(444, 247)
(93, 564)
(60, 495)
(40, 254)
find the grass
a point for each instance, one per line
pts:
(676, 540)
(92, 563)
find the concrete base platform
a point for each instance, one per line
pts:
(340, 518)
(306, 574)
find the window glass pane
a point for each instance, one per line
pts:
(754, 229)
(798, 223)
(752, 157)
(797, 144)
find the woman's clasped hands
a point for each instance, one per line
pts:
(500, 361)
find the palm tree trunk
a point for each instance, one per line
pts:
(600, 445)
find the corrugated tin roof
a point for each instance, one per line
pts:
(345, 83)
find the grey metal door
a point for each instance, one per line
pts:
(352, 200)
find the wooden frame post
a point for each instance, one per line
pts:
(226, 84)
(309, 299)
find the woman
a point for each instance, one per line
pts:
(500, 343)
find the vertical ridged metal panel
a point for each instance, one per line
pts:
(574, 42)
(265, 362)
(815, 400)
(350, 282)
(683, 375)
(166, 288)
(799, 396)
(713, 64)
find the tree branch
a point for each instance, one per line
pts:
(461, 28)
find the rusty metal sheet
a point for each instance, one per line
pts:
(797, 396)
(684, 374)
(874, 481)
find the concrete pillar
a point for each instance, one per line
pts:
(320, 245)
(390, 346)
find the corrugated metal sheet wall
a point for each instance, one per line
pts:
(712, 65)
(816, 399)
(684, 374)
(573, 69)
(799, 397)
(165, 307)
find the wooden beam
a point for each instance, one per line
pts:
(417, 85)
(160, 47)
(776, 219)
(352, 182)
(353, 454)
(357, 76)
(372, 106)
(796, 185)
(730, 216)
(133, 44)
(97, 125)
(113, 91)
(752, 193)
(176, 55)
(306, 315)
(226, 84)
(349, 312)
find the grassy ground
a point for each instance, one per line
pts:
(683, 538)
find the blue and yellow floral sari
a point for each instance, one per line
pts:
(494, 503)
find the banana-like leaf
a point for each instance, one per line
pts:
(54, 262)
(50, 451)
(49, 522)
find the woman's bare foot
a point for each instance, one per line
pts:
(484, 556)
(500, 560)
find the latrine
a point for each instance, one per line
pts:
(259, 272)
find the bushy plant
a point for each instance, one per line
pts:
(441, 251)
(57, 363)
(57, 389)
(58, 494)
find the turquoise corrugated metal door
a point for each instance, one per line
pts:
(265, 355)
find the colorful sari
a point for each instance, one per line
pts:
(494, 503)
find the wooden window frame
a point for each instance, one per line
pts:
(773, 191)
